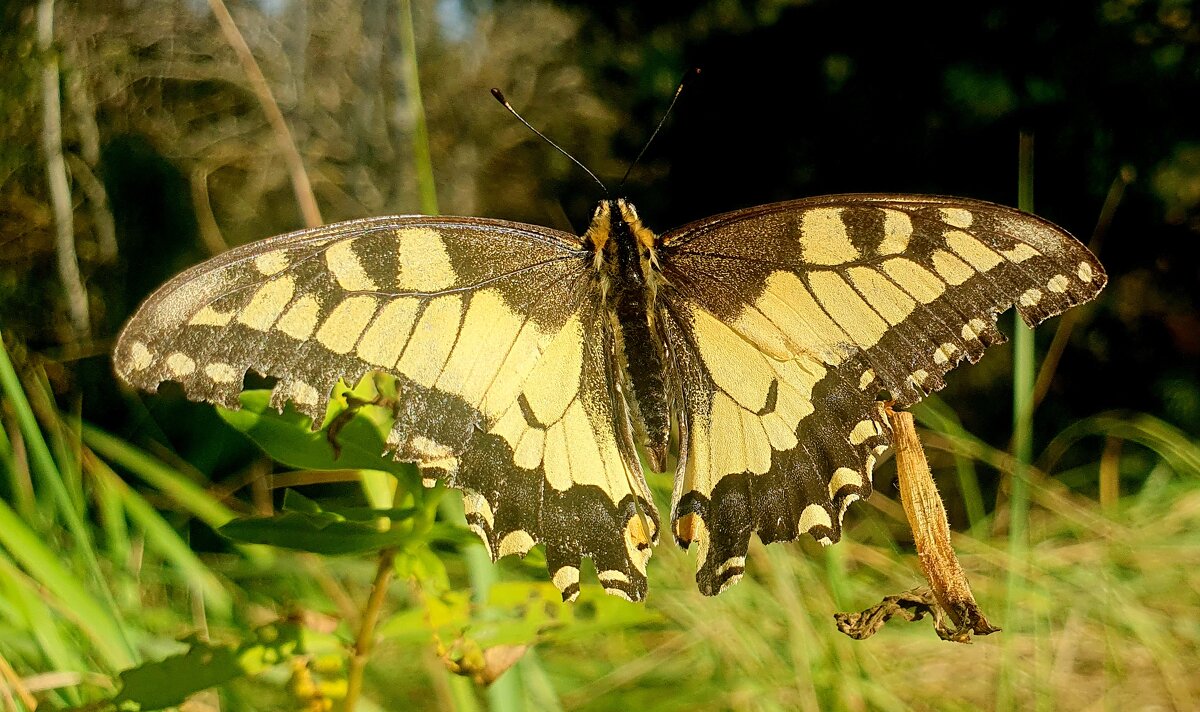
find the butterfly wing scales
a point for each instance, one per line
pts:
(814, 307)
(498, 343)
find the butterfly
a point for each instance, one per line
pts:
(534, 364)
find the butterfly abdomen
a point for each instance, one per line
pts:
(626, 263)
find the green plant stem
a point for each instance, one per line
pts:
(422, 156)
(1024, 374)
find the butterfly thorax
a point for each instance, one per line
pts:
(628, 274)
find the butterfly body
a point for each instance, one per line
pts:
(531, 363)
(629, 270)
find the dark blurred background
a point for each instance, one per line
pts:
(795, 99)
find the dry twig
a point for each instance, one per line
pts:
(283, 135)
(949, 592)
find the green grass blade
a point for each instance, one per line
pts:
(40, 623)
(162, 538)
(1024, 375)
(422, 156)
(44, 467)
(187, 494)
(16, 473)
(43, 564)
(1176, 449)
(62, 429)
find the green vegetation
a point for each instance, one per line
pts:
(153, 554)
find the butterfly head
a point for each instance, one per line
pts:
(616, 233)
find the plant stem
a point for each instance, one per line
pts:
(1024, 370)
(422, 156)
(56, 175)
(283, 135)
(365, 641)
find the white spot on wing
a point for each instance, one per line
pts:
(180, 364)
(221, 372)
(943, 353)
(1085, 272)
(824, 239)
(210, 317)
(302, 393)
(814, 515)
(347, 268)
(843, 476)
(973, 329)
(958, 217)
(1020, 253)
(140, 357)
(566, 577)
(864, 430)
(516, 542)
(300, 319)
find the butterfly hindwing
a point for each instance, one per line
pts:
(497, 339)
(787, 321)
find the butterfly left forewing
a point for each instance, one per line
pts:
(494, 333)
(829, 302)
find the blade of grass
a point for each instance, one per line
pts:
(111, 515)
(1168, 442)
(422, 157)
(63, 440)
(50, 477)
(41, 624)
(1024, 375)
(15, 469)
(162, 538)
(187, 494)
(72, 597)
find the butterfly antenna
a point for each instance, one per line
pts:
(691, 74)
(500, 98)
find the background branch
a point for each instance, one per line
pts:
(283, 135)
(56, 174)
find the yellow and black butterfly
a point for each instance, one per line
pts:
(532, 362)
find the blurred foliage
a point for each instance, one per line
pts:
(132, 570)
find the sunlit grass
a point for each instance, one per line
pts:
(1102, 612)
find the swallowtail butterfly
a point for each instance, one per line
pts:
(534, 363)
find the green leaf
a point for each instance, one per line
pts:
(305, 526)
(169, 682)
(288, 437)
